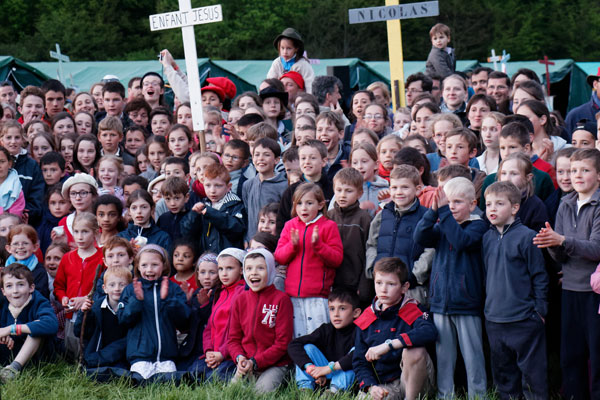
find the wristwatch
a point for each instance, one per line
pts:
(389, 343)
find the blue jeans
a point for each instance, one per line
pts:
(342, 380)
(224, 371)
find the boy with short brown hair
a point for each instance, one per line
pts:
(441, 60)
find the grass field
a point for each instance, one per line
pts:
(63, 382)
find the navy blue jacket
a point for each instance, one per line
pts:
(552, 203)
(95, 355)
(341, 159)
(456, 285)
(396, 235)
(404, 321)
(152, 322)
(33, 184)
(533, 213)
(585, 111)
(516, 278)
(218, 229)
(192, 346)
(153, 233)
(44, 229)
(38, 315)
(171, 223)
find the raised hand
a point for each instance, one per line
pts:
(203, 296)
(138, 290)
(164, 288)
(87, 305)
(315, 235)
(295, 236)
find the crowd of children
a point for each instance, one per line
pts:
(347, 255)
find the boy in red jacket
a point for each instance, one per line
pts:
(261, 325)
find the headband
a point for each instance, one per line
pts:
(156, 248)
(210, 257)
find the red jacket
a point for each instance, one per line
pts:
(311, 269)
(75, 276)
(217, 328)
(262, 326)
(547, 168)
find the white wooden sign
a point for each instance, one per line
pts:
(386, 13)
(181, 18)
(185, 19)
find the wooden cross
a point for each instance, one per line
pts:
(504, 60)
(60, 57)
(393, 12)
(494, 58)
(547, 62)
(185, 19)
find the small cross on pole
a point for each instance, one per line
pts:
(547, 62)
(185, 19)
(504, 60)
(494, 58)
(60, 57)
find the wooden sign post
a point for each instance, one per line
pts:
(61, 58)
(393, 12)
(547, 63)
(185, 19)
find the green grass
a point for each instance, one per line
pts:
(62, 381)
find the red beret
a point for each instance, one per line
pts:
(215, 89)
(225, 84)
(296, 77)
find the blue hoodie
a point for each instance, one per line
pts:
(152, 322)
(456, 284)
(153, 233)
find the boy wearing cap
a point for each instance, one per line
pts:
(585, 135)
(290, 46)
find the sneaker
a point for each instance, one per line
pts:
(7, 374)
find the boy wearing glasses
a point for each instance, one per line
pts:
(236, 158)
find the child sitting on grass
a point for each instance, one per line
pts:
(26, 318)
(327, 352)
(258, 340)
(106, 339)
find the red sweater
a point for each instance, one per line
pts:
(75, 276)
(262, 326)
(546, 167)
(311, 269)
(216, 332)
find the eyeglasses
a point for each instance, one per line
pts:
(148, 84)
(373, 116)
(230, 157)
(21, 244)
(83, 194)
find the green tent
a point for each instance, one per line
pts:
(20, 73)
(83, 74)
(412, 67)
(255, 71)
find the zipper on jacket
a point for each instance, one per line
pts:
(302, 259)
(157, 324)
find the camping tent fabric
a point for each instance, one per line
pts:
(83, 74)
(412, 67)
(20, 72)
(255, 71)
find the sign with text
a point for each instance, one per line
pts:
(401, 11)
(180, 19)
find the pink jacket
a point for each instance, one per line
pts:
(216, 333)
(311, 268)
(17, 207)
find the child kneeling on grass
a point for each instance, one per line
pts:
(26, 317)
(106, 339)
(390, 360)
(258, 340)
(327, 352)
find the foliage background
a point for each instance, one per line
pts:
(119, 29)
